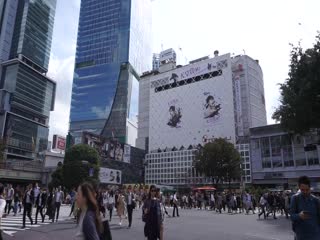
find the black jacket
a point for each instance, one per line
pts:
(43, 197)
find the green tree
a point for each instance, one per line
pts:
(78, 161)
(299, 109)
(57, 177)
(219, 160)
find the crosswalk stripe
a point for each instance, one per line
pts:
(10, 233)
(12, 224)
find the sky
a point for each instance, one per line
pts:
(262, 29)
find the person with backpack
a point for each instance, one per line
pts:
(305, 212)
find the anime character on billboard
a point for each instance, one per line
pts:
(118, 177)
(174, 117)
(211, 108)
(112, 177)
(118, 152)
(174, 78)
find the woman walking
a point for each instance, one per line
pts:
(90, 225)
(110, 203)
(152, 216)
(121, 207)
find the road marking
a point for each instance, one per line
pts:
(261, 237)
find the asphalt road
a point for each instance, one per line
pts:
(191, 225)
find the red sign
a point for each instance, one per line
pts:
(59, 142)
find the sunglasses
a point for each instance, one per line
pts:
(153, 190)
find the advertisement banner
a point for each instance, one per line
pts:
(110, 176)
(115, 151)
(192, 105)
(59, 143)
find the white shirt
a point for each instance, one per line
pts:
(212, 198)
(111, 200)
(10, 194)
(58, 195)
(129, 199)
(28, 197)
(36, 191)
(175, 197)
(2, 207)
(263, 201)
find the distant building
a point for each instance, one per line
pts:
(278, 159)
(155, 61)
(27, 95)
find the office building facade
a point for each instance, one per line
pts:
(27, 95)
(184, 94)
(249, 98)
(279, 158)
(113, 49)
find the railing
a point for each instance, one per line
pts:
(29, 166)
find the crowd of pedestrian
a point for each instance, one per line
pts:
(93, 208)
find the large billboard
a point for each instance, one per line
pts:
(192, 105)
(110, 176)
(109, 149)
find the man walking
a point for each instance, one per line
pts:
(175, 206)
(305, 212)
(41, 203)
(130, 204)
(27, 205)
(9, 198)
(59, 197)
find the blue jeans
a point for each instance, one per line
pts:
(15, 207)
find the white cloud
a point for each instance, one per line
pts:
(61, 70)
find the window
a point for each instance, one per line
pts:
(265, 152)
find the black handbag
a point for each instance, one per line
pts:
(106, 235)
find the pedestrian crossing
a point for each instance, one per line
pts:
(12, 224)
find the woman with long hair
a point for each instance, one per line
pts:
(152, 216)
(90, 225)
(121, 207)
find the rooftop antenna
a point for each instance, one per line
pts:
(183, 56)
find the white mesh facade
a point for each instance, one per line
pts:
(192, 104)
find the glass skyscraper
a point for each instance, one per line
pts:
(27, 94)
(113, 49)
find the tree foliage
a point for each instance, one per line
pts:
(219, 160)
(57, 177)
(78, 161)
(299, 109)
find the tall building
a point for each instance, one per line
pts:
(155, 61)
(113, 49)
(248, 96)
(27, 94)
(182, 108)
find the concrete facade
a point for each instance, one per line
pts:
(278, 158)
